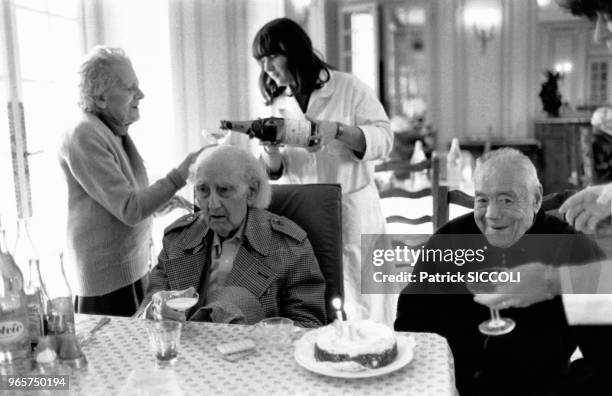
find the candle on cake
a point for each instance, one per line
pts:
(337, 304)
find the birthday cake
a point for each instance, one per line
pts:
(368, 343)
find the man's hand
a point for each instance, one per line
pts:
(588, 207)
(159, 309)
(539, 282)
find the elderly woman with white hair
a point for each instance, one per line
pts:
(110, 199)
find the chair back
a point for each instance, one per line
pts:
(442, 203)
(317, 208)
(588, 176)
(405, 168)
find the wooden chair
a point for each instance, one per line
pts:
(404, 168)
(442, 203)
(550, 203)
(586, 154)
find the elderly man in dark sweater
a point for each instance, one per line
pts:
(509, 227)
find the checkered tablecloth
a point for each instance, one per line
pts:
(121, 347)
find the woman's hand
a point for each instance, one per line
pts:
(350, 136)
(183, 168)
(272, 157)
(176, 202)
(325, 132)
(273, 150)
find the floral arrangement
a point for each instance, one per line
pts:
(550, 95)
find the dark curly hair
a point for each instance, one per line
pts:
(283, 36)
(587, 8)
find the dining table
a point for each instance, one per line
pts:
(121, 362)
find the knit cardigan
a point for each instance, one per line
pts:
(109, 209)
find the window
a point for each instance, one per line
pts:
(42, 44)
(599, 84)
(359, 42)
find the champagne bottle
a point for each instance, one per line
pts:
(275, 130)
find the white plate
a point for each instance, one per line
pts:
(304, 356)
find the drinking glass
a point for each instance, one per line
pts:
(274, 331)
(488, 282)
(182, 303)
(173, 300)
(164, 339)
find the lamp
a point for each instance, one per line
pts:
(564, 67)
(483, 21)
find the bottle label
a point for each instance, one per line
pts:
(61, 316)
(11, 331)
(35, 321)
(297, 132)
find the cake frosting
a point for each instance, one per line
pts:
(369, 343)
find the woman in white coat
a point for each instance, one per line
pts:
(352, 130)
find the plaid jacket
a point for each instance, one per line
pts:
(275, 263)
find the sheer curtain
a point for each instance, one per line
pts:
(214, 74)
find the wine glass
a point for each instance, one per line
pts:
(182, 303)
(487, 281)
(214, 136)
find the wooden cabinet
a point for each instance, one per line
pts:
(562, 164)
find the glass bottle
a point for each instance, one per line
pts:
(275, 130)
(14, 337)
(418, 179)
(60, 309)
(27, 260)
(454, 165)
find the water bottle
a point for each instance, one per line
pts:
(26, 258)
(454, 165)
(418, 179)
(14, 336)
(60, 308)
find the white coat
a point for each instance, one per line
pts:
(344, 99)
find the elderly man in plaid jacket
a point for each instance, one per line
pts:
(245, 262)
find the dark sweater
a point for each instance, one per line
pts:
(535, 357)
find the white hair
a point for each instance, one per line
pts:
(251, 170)
(512, 158)
(96, 76)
